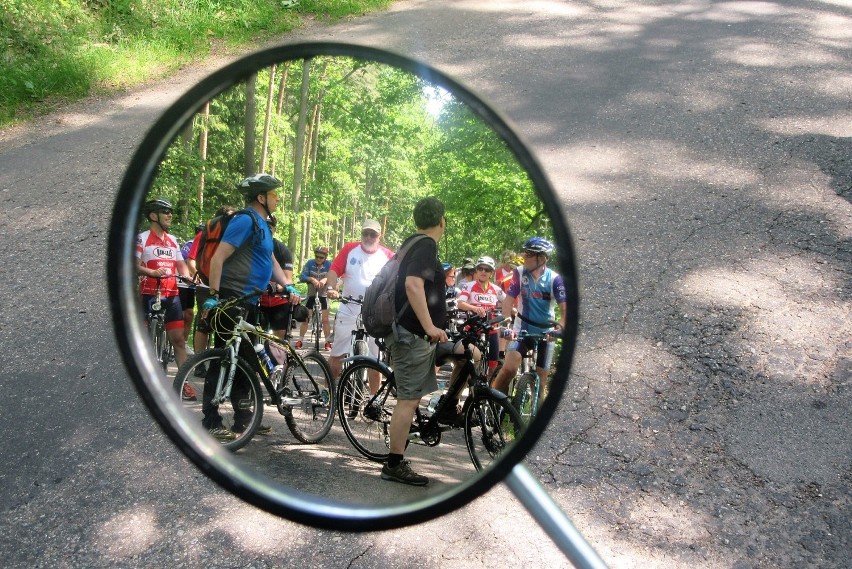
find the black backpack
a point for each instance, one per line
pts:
(378, 309)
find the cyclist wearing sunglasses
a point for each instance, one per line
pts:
(481, 297)
(158, 260)
(538, 290)
(315, 273)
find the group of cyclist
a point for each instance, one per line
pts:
(248, 258)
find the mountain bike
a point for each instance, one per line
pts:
(156, 318)
(526, 390)
(299, 386)
(490, 422)
(359, 347)
(316, 320)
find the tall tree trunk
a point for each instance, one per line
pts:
(279, 108)
(205, 122)
(186, 141)
(249, 164)
(315, 140)
(299, 157)
(264, 145)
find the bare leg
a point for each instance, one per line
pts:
(510, 367)
(400, 423)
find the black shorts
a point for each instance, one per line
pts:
(525, 345)
(173, 316)
(309, 304)
(187, 297)
(277, 317)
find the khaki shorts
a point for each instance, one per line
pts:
(413, 360)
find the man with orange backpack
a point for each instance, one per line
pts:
(242, 264)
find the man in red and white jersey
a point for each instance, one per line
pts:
(481, 297)
(159, 259)
(357, 264)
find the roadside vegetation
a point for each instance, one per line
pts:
(57, 51)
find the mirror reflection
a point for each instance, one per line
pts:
(301, 183)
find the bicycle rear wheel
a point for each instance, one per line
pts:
(367, 425)
(523, 399)
(490, 426)
(240, 414)
(308, 399)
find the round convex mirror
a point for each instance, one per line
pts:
(353, 134)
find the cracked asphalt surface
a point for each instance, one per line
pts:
(703, 152)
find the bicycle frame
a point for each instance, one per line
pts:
(243, 330)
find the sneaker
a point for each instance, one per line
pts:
(261, 430)
(298, 344)
(222, 433)
(188, 393)
(403, 473)
(200, 371)
(450, 415)
(327, 346)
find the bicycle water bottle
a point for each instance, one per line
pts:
(264, 357)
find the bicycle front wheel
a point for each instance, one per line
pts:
(524, 397)
(317, 325)
(366, 419)
(240, 414)
(308, 399)
(490, 426)
(161, 341)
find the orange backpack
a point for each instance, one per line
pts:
(210, 238)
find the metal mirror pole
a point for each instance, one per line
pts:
(552, 519)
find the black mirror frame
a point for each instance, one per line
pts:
(219, 464)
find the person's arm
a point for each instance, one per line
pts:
(508, 304)
(306, 272)
(563, 314)
(415, 290)
(153, 273)
(331, 284)
(183, 270)
(193, 269)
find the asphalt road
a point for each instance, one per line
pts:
(703, 155)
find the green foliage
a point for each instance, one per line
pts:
(57, 50)
(378, 139)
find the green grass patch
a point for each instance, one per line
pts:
(56, 51)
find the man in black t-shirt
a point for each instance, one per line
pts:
(420, 328)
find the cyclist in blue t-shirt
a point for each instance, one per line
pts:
(242, 264)
(538, 290)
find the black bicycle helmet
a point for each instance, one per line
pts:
(258, 184)
(538, 245)
(158, 204)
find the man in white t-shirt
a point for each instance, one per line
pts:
(357, 264)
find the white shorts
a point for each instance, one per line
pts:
(344, 324)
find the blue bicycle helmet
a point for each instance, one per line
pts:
(538, 245)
